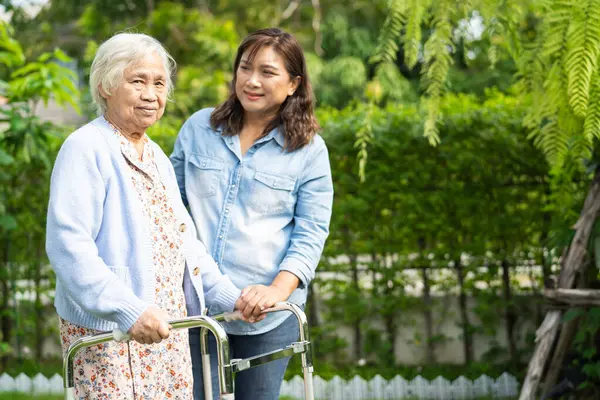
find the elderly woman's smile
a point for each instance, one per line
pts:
(138, 101)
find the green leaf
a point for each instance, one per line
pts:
(594, 313)
(8, 222)
(44, 57)
(61, 56)
(572, 314)
(5, 158)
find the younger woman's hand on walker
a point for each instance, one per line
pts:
(257, 298)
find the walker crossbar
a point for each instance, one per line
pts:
(238, 365)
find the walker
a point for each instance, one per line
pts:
(226, 367)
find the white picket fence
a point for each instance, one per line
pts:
(39, 384)
(506, 386)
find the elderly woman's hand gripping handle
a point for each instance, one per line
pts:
(151, 327)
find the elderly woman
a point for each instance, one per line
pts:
(120, 239)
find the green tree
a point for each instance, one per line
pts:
(27, 146)
(558, 72)
(424, 202)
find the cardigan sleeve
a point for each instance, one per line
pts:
(75, 212)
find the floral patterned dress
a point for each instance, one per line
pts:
(132, 370)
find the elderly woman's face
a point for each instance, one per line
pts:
(139, 99)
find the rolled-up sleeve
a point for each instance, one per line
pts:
(311, 218)
(75, 212)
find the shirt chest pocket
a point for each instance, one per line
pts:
(272, 194)
(204, 174)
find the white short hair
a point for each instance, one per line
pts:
(116, 54)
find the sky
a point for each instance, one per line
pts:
(31, 6)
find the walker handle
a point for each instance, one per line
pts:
(232, 316)
(120, 336)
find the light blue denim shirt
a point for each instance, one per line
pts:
(261, 213)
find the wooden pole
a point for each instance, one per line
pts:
(573, 262)
(574, 297)
(567, 334)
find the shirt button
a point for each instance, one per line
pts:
(182, 228)
(204, 165)
(196, 271)
(220, 236)
(226, 210)
(275, 184)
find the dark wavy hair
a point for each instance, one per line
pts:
(296, 114)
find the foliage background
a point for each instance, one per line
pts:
(464, 221)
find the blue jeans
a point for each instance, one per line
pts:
(258, 383)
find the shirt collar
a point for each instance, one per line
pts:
(274, 134)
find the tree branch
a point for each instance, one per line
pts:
(572, 264)
(289, 11)
(316, 24)
(573, 297)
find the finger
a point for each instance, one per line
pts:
(252, 310)
(260, 317)
(251, 290)
(266, 302)
(142, 339)
(259, 307)
(248, 320)
(256, 312)
(265, 306)
(163, 330)
(155, 336)
(246, 290)
(240, 304)
(138, 338)
(245, 297)
(251, 300)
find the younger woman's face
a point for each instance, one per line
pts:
(263, 83)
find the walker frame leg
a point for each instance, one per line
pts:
(302, 347)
